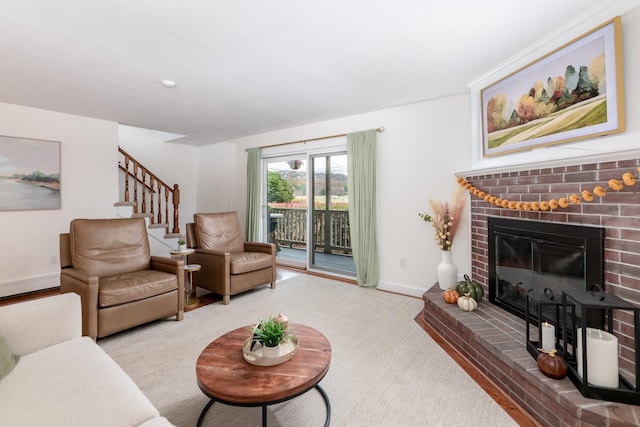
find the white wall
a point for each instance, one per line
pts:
(89, 186)
(421, 147)
(218, 188)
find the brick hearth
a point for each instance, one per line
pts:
(494, 340)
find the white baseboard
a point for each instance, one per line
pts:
(29, 285)
(402, 289)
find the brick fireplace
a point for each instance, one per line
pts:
(493, 336)
(617, 212)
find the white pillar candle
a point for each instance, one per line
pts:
(602, 358)
(548, 336)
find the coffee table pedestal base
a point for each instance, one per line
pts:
(264, 407)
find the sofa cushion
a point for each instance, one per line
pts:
(219, 231)
(74, 383)
(8, 360)
(33, 325)
(128, 287)
(245, 262)
(104, 247)
(157, 422)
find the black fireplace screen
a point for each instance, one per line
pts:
(534, 256)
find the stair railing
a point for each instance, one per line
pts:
(151, 195)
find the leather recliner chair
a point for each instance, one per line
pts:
(108, 263)
(229, 265)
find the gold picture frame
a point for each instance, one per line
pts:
(574, 92)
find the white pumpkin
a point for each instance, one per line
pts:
(466, 303)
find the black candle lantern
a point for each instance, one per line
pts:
(546, 317)
(592, 353)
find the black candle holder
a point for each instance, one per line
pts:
(578, 307)
(546, 299)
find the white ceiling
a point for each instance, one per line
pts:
(244, 67)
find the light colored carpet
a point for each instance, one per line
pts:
(385, 370)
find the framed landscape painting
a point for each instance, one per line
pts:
(573, 93)
(29, 174)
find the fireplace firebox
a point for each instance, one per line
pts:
(543, 258)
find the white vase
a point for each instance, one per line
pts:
(270, 352)
(182, 248)
(447, 272)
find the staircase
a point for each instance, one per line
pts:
(143, 194)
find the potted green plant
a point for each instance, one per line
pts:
(182, 245)
(270, 332)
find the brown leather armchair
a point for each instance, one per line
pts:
(229, 264)
(108, 263)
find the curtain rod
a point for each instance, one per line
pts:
(379, 130)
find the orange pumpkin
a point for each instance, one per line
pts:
(615, 185)
(450, 296)
(628, 179)
(599, 191)
(587, 196)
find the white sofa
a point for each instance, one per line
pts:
(63, 378)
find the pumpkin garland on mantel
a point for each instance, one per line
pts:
(628, 179)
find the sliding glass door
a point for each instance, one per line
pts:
(286, 208)
(306, 211)
(330, 234)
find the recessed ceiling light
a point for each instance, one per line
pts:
(169, 83)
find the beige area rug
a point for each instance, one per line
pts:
(385, 370)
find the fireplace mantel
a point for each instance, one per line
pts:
(577, 160)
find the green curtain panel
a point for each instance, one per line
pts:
(253, 195)
(361, 181)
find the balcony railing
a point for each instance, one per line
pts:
(289, 228)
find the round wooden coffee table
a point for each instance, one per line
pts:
(226, 377)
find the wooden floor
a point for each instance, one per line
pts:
(520, 416)
(29, 296)
(205, 297)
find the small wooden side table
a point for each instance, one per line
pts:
(189, 289)
(191, 301)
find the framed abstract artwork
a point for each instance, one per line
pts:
(574, 92)
(29, 174)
